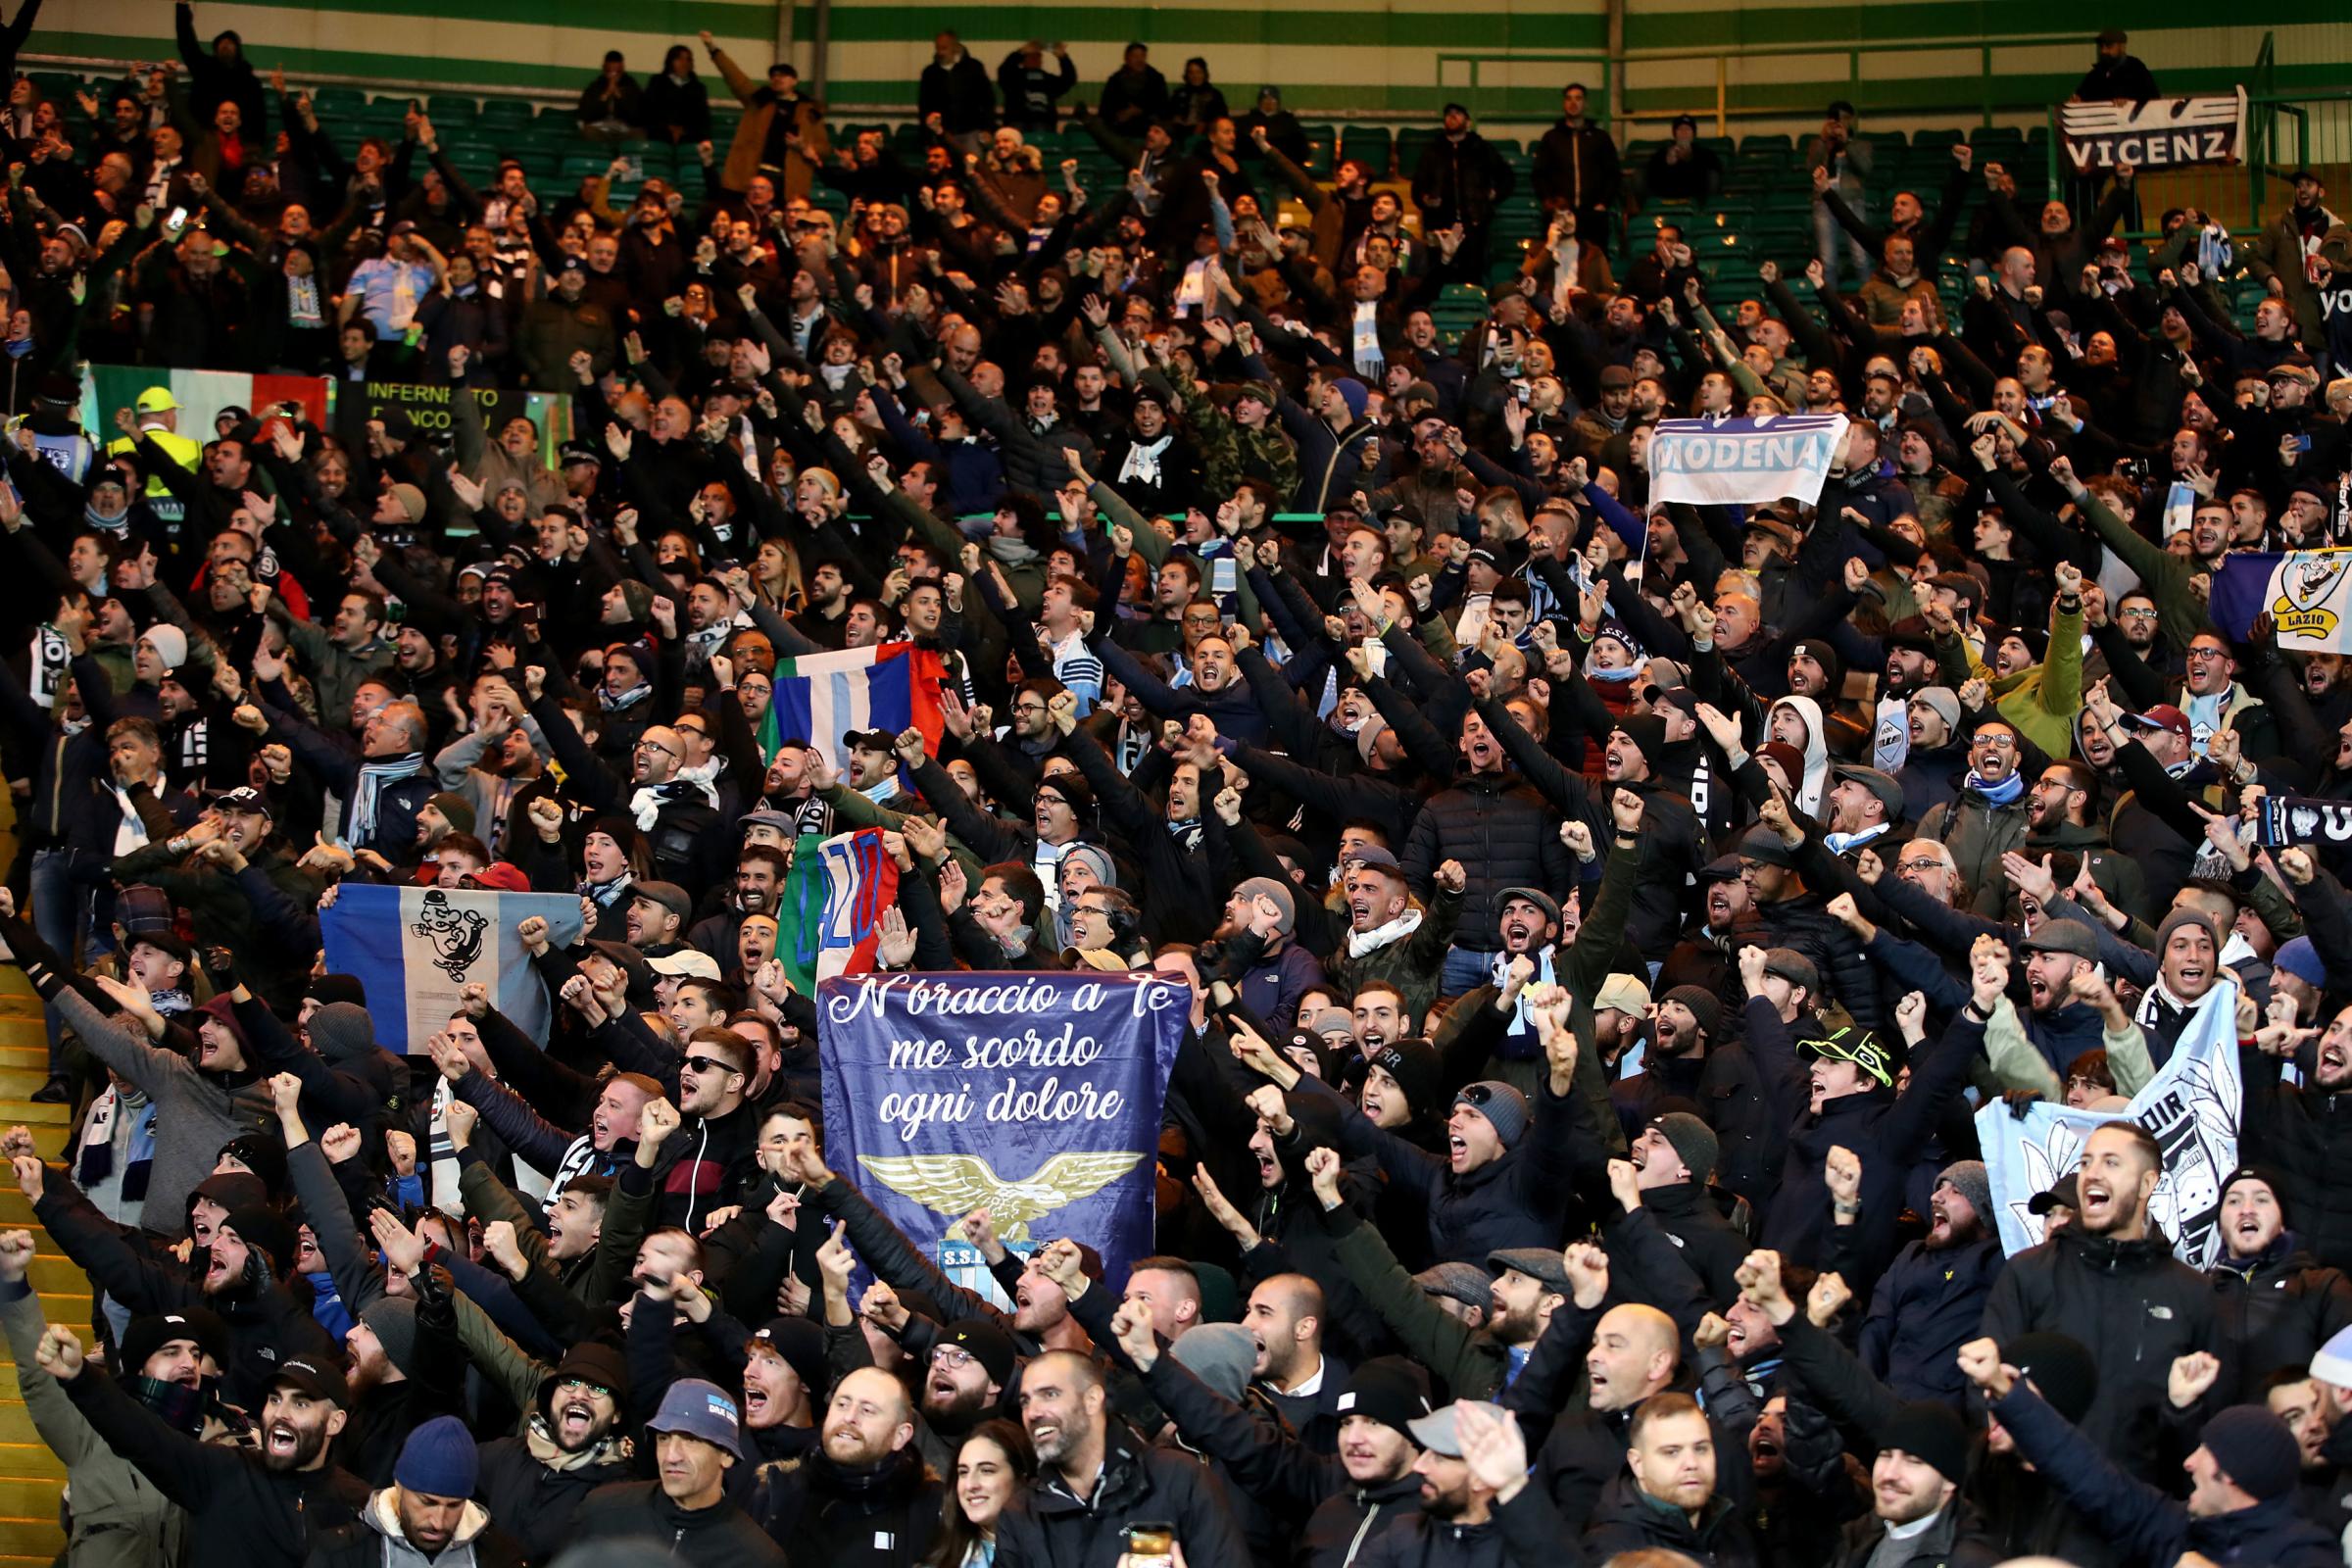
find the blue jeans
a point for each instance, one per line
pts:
(1827, 232)
(1464, 970)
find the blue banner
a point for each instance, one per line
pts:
(1036, 1096)
(417, 949)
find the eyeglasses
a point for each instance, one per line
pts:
(1926, 865)
(584, 1386)
(657, 746)
(2143, 612)
(952, 1358)
(2202, 654)
(703, 1065)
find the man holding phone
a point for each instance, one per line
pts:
(1100, 1489)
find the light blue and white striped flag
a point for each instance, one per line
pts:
(415, 948)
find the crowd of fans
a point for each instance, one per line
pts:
(1600, 917)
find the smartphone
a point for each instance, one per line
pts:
(1150, 1543)
(532, 614)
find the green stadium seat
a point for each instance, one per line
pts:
(1372, 145)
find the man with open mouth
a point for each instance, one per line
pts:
(2111, 1281)
(247, 1506)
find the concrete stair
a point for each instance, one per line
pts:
(31, 1480)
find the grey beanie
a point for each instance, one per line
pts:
(1266, 887)
(341, 1030)
(1969, 1180)
(1944, 702)
(1220, 1354)
(1501, 1104)
(392, 1320)
(1095, 856)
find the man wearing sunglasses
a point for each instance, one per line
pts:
(716, 1160)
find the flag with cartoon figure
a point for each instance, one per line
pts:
(2190, 1108)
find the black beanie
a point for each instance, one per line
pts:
(2255, 1450)
(1647, 732)
(262, 1229)
(2250, 1172)
(801, 1342)
(1389, 1390)
(150, 1332)
(1414, 1064)
(1822, 654)
(1704, 1005)
(985, 1344)
(1929, 1430)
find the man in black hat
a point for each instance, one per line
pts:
(2118, 75)
(1916, 1512)
(2242, 1479)
(246, 1507)
(1792, 915)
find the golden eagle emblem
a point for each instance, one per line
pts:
(956, 1183)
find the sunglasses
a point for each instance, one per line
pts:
(703, 1065)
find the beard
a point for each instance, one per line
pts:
(286, 1446)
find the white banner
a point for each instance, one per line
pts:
(1718, 463)
(2161, 133)
(2190, 1108)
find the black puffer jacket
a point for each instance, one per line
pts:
(1505, 835)
(2306, 1133)
(2134, 1305)
(721, 1535)
(1805, 923)
(2273, 1310)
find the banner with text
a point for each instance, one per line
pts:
(2306, 593)
(1036, 1096)
(2191, 1110)
(2161, 133)
(1720, 462)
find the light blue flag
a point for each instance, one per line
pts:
(2191, 1108)
(415, 948)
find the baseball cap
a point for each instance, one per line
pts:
(866, 740)
(1436, 1430)
(690, 962)
(247, 799)
(157, 400)
(1857, 1046)
(1373, 858)
(697, 1409)
(2164, 716)
(318, 1378)
(2064, 1192)
(1625, 993)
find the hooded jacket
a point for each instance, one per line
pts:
(2272, 1309)
(376, 1540)
(2306, 1132)
(1505, 833)
(1979, 833)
